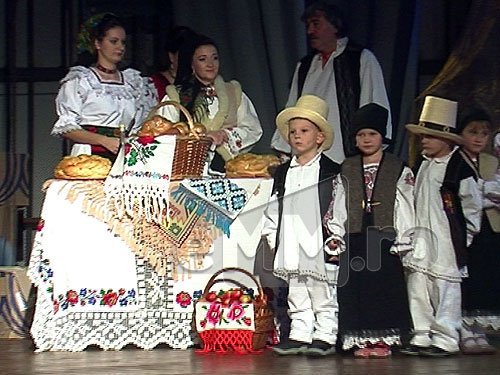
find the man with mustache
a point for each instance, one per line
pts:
(345, 75)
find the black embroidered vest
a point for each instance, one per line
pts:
(328, 169)
(348, 86)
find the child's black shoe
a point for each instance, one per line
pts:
(289, 347)
(319, 348)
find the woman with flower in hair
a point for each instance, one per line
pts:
(224, 109)
(96, 97)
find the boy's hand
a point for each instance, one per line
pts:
(332, 244)
(333, 258)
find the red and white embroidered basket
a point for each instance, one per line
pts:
(230, 322)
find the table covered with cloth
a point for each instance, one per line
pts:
(109, 279)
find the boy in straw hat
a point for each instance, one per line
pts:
(448, 214)
(371, 222)
(293, 228)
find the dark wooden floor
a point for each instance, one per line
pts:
(18, 357)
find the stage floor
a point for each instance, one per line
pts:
(18, 357)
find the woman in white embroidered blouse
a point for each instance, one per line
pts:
(95, 97)
(227, 112)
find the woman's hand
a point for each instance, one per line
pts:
(218, 137)
(111, 144)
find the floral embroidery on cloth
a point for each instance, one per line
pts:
(86, 296)
(214, 315)
(140, 177)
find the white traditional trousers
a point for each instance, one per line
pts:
(313, 310)
(435, 306)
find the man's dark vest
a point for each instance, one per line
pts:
(383, 195)
(459, 168)
(327, 172)
(346, 67)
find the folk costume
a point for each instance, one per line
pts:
(85, 101)
(294, 231)
(372, 218)
(480, 291)
(448, 215)
(219, 105)
(350, 78)
(227, 108)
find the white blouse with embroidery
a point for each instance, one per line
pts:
(85, 99)
(403, 217)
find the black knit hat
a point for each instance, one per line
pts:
(371, 116)
(470, 114)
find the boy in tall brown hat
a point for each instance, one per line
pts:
(448, 214)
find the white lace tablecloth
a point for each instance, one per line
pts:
(93, 290)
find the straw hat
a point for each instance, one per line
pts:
(309, 107)
(438, 118)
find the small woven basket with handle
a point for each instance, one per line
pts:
(235, 340)
(190, 150)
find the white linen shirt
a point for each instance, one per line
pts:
(300, 251)
(434, 254)
(320, 81)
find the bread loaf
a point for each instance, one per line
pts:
(82, 167)
(251, 165)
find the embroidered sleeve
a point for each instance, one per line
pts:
(270, 225)
(248, 132)
(69, 104)
(470, 199)
(404, 212)
(336, 218)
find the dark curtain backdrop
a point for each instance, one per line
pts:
(471, 74)
(260, 42)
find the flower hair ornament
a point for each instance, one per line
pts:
(85, 42)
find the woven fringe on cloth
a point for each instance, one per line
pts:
(140, 177)
(362, 339)
(220, 200)
(147, 240)
(483, 318)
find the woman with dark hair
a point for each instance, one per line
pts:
(166, 76)
(227, 112)
(96, 97)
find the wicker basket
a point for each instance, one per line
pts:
(218, 340)
(191, 151)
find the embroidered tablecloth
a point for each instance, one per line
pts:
(117, 297)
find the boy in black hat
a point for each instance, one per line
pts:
(370, 221)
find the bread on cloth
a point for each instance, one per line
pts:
(251, 165)
(82, 167)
